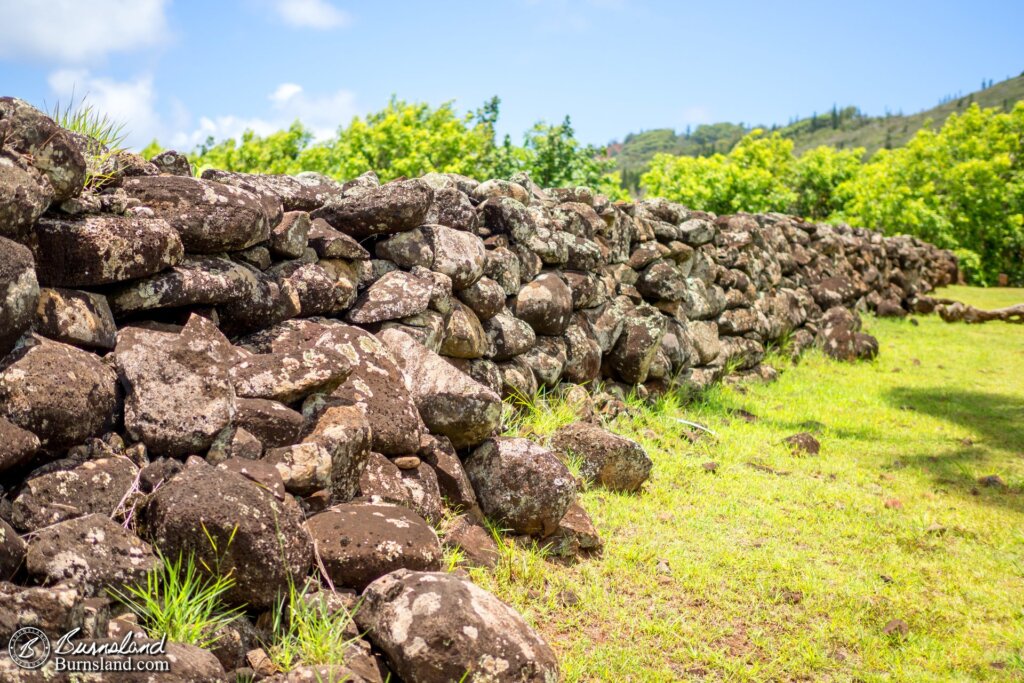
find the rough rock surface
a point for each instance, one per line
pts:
(258, 538)
(99, 250)
(609, 460)
(521, 485)
(179, 395)
(394, 207)
(246, 350)
(19, 291)
(210, 217)
(450, 403)
(436, 627)
(90, 552)
(95, 486)
(360, 543)
(36, 394)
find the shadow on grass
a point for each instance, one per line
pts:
(996, 419)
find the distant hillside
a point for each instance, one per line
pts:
(842, 128)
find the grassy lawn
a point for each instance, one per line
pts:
(785, 567)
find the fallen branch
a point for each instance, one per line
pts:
(958, 312)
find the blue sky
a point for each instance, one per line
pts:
(181, 70)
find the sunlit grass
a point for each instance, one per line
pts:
(781, 567)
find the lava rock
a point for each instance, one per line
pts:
(24, 195)
(77, 318)
(393, 207)
(19, 292)
(449, 401)
(52, 150)
(258, 539)
(435, 628)
(545, 304)
(609, 460)
(358, 543)
(521, 485)
(95, 486)
(395, 295)
(60, 393)
(91, 552)
(179, 392)
(210, 217)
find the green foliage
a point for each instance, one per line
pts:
(961, 188)
(307, 631)
(408, 139)
(817, 174)
(749, 178)
(151, 150)
(182, 601)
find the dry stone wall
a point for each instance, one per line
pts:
(310, 373)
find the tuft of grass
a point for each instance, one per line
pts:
(84, 118)
(538, 415)
(308, 632)
(775, 567)
(180, 601)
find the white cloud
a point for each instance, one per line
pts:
(146, 116)
(132, 102)
(319, 14)
(78, 31)
(321, 114)
(285, 92)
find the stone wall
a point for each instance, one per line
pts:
(313, 371)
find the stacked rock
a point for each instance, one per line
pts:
(288, 376)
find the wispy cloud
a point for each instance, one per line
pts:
(322, 114)
(317, 14)
(76, 32)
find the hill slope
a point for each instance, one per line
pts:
(842, 128)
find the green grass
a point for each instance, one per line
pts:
(308, 632)
(786, 567)
(83, 117)
(181, 601)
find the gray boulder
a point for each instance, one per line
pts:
(521, 485)
(436, 628)
(449, 401)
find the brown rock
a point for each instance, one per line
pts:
(36, 394)
(435, 628)
(359, 543)
(259, 540)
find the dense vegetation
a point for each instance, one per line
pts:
(842, 128)
(961, 187)
(410, 139)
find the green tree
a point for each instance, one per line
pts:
(961, 187)
(815, 176)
